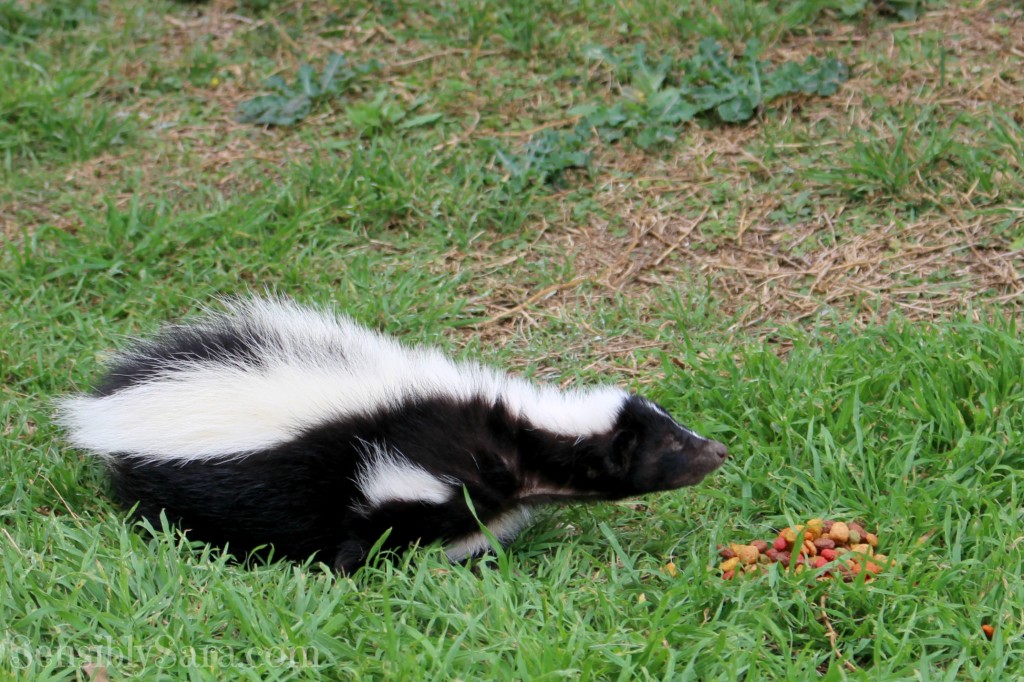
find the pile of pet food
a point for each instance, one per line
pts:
(843, 549)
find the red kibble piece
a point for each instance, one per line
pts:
(819, 561)
(784, 558)
(725, 552)
(728, 575)
(760, 545)
(780, 544)
(828, 554)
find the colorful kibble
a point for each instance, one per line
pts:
(843, 549)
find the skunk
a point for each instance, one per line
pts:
(270, 424)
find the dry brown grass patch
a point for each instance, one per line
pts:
(940, 262)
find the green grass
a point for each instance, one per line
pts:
(130, 194)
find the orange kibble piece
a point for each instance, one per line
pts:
(730, 564)
(815, 528)
(789, 535)
(871, 539)
(872, 567)
(670, 568)
(883, 560)
(809, 548)
(745, 553)
(988, 630)
(839, 532)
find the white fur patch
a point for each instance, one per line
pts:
(386, 477)
(658, 408)
(316, 367)
(504, 527)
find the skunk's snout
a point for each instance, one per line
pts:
(709, 456)
(715, 450)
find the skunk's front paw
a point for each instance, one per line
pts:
(350, 555)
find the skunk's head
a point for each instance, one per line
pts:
(648, 451)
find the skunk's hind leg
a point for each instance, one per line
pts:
(407, 523)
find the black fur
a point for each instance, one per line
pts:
(177, 345)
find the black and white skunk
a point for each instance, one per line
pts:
(272, 424)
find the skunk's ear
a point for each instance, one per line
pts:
(624, 445)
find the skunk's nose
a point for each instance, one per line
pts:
(716, 449)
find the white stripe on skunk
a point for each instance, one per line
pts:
(386, 476)
(315, 367)
(504, 528)
(275, 424)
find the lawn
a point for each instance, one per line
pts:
(799, 225)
